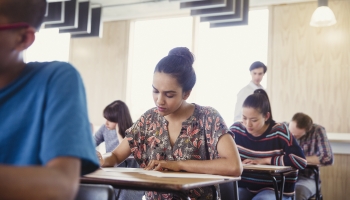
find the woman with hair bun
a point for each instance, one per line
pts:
(176, 135)
(260, 140)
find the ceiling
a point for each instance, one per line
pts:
(136, 9)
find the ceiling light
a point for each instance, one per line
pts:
(323, 15)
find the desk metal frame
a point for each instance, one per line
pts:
(272, 173)
(315, 168)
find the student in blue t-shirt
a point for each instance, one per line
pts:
(45, 136)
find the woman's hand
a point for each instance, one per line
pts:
(163, 165)
(261, 161)
(100, 158)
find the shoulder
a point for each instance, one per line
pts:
(206, 110)
(280, 127)
(245, 91)
(317, 129)
(148, 117)
(52, 67)
(237, 127)
(280, 130)
(53, 71)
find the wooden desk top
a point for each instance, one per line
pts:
(272, 169)
(136, 178)
(313, 165)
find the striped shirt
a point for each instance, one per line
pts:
(276, 142)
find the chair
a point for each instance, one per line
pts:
(227, 191)
(95, 191)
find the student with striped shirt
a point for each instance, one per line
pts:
(260, 140)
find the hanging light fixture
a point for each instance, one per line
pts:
(323, 15)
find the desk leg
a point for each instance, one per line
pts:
(235, 190)
(283, 179)
(316, 171)
(274, 181)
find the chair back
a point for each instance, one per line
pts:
(95, 191)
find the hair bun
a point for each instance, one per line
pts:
(183, 52)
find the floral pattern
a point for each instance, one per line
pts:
(149, 140)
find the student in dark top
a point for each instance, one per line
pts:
(45, 135)
(177, 135)
(260, 140)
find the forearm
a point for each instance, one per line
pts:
(221, 166)
(36, 183)
(313, 159)
(117, 156)
(109, 160)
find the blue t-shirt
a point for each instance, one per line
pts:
(43, 115)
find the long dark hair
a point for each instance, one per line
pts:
(118, 112)
(178, 63)
(259, 101)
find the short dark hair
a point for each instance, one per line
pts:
(118, 112)
(259, 101)
(303, 121)
(28, 11)
(256, 65)
(178, 63)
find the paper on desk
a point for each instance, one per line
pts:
(166, 174)
(264, 166)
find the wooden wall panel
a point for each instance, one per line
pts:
(310, 67)
(335, 179)
(309, 71)
(102, 63)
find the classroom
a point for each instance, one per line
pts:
(308, 67)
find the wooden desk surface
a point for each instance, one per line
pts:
(136, 178)
(272, 169)
(313, 165)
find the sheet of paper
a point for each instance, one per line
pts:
(165, 173)
(264, 166)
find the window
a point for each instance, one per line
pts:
(222, 59)
(152, 41)
(49, 45)
(224, 56)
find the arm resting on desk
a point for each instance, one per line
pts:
(118, 155)
(293, 157)
(59, 179)
(228, 164)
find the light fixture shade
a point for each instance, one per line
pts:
(323, 16)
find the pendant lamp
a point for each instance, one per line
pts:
(323, 15)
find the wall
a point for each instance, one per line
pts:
(309, 71)
(102, 63)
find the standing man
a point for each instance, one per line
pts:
(45, 135)
(312, 139)
(257, 71)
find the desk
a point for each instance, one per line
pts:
(271, 171)
(140, 179)
(315, 168)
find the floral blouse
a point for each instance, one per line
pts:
(149, 140)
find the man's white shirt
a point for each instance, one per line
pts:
(241, 96)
